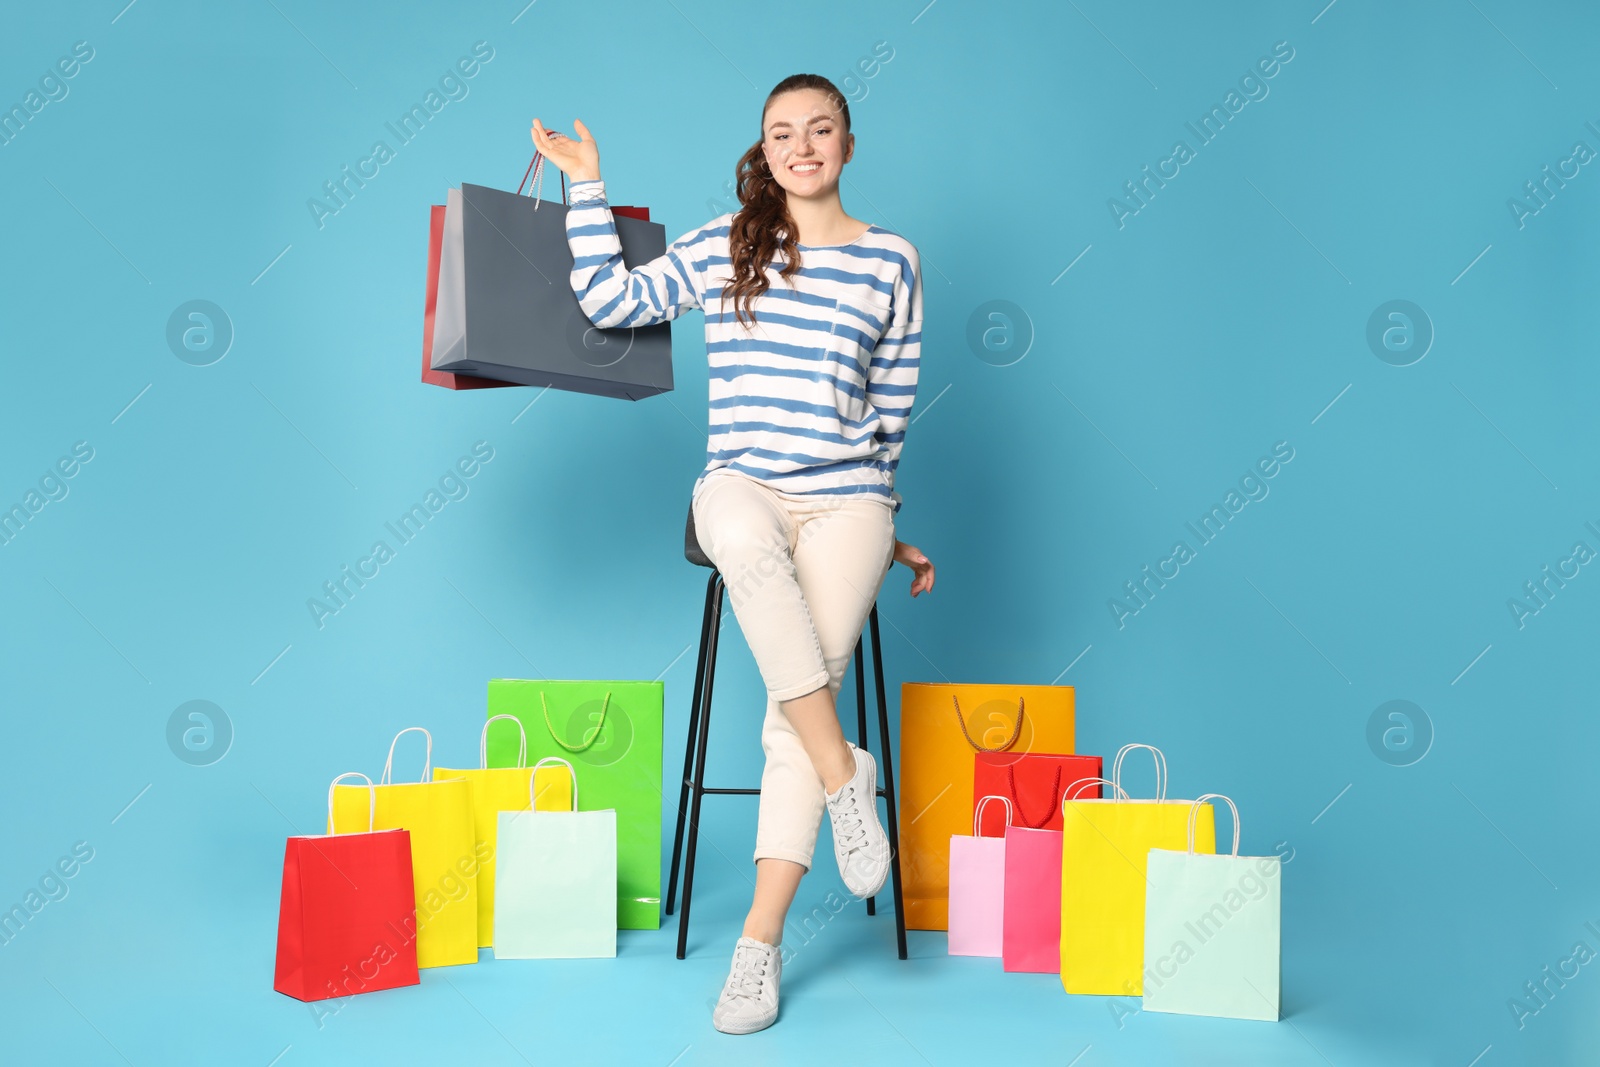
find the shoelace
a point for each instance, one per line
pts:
(851, 825)
(749, 975)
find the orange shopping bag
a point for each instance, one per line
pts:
(941, 725)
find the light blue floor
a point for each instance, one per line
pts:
(176, 968)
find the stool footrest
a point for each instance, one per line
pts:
(709, 790)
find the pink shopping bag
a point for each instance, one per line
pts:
(1031, 918)
(1031, 925)
(977, 888)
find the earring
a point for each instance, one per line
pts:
(765, 169)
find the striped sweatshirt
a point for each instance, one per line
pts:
(816, 396)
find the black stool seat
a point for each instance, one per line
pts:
(691, 545)
(694, 748)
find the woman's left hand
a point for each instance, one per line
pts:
(912, 557)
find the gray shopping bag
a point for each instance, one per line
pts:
(506, 308)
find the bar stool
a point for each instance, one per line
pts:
(694, 749)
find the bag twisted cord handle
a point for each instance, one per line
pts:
(536, 168)
(372, 802)
(1055, 791)
(533, 781)
(1015, 733)
(977, 813)
(592, 737)
(1194, 809)
(483, 742)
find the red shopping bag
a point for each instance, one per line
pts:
(344, 913)
(1034, 782)
(431, 302)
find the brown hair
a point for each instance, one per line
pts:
(762, 224)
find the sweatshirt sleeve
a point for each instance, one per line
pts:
(611, 294)
(892, 374)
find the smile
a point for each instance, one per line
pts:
(805, 168)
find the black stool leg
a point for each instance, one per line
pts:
(698, 789)
(888, 787)
(688, 745)
(861, 729)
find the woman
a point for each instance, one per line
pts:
(813, 326)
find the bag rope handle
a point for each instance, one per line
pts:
(536, 168)
(592, 738)
(977, 813)
(1194, 809)
(427, 762)
(1072, 789)
(1055, 787)
(571, 774)
(1015, 733)
(483, 742)
(372, 799)
(1161, 767)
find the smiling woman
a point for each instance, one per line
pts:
(813, 324)
(814, 359)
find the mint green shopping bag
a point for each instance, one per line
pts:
(554, 882)
(1211, 930)
(611, 731)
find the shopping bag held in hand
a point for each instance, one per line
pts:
(1211, 930)
(1104, 848)
(444, 853)
(445, 379)
(497, 789)
(977, 887)
(556, 882)
(506, 309)
(345, 911)
(941, 726)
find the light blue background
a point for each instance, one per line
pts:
(1223, 318)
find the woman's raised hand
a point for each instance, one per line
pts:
(912, 557)
(578, 160)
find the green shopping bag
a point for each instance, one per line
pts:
(1211, 930)
(556, 875)
(611, 730)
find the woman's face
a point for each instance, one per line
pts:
(805, 143)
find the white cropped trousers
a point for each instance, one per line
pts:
(802, 573)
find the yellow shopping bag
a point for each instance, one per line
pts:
(942, 725)
(497, 789)
(1104, 851)
(444, 857)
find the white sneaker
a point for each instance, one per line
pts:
(749, 999)
(859, 843)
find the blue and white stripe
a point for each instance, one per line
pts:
(817, 396)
